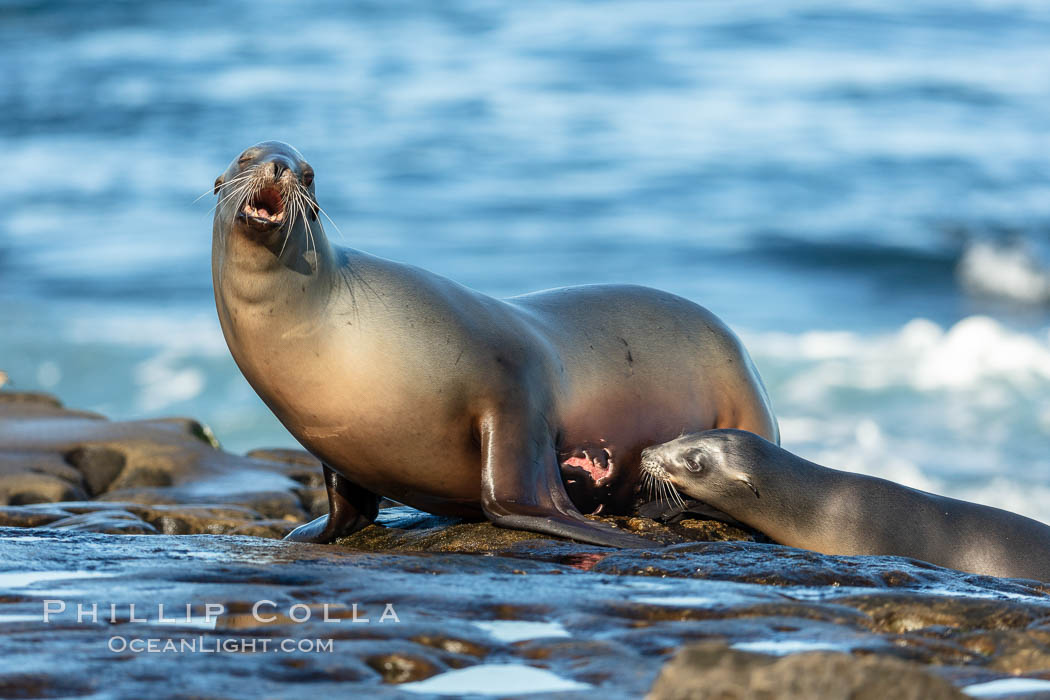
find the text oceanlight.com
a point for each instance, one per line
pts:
(214, 645)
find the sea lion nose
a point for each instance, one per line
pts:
(278, 165)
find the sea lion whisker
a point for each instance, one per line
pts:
(211, 190)
(313, 242)
(229, 195)
(330, 219)
(678, 496)
(288, 224)
(301, 199)
(673, 494)
(244, 192)
(284, 243)
(241, 177)
(310, 243)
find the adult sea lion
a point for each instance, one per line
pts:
(802, 504)
(410, 386)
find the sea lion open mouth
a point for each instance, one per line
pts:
(264, 209)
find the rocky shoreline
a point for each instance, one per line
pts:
(152, 513)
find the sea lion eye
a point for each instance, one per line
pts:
(308, 175)
(246, 157)
(693, 462)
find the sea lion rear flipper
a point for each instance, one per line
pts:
(522, 489)
(350, 508)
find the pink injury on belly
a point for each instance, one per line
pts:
(591, 466)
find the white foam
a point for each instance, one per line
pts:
(956, 411)
(638, 583)
(682, 601)
(48, 374)
(520, 630)
(258, 480)
(162, 382)
(198, 333)
(1007, 686)
(494, 679)
(24, 579)
(788, 646)
(171, 374)
(137, 169)
(13, 617)
(921, 355)
(175, 619)
(1009, 272)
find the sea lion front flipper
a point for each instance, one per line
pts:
(350, 508)
(522, 489)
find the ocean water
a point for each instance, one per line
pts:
(861, 190)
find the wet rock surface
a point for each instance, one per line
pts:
(714, 670)
(106, 515)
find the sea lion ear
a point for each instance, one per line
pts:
(746, 481)
(218, 183)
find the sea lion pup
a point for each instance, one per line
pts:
(802, 504)
(410, 386)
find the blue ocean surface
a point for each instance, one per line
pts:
(861, 190)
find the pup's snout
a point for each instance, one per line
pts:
(651, 464)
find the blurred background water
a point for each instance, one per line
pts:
(861, 190)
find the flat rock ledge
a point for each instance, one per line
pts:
(137, 559)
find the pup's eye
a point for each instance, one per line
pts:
(308, 176)
(693, 462)
(246, 158)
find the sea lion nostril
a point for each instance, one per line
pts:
(278, 168)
